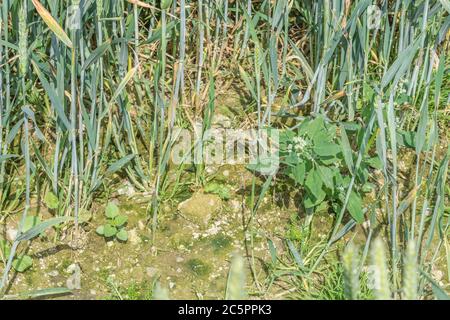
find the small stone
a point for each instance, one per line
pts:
(74, 281)
(127, 189)
(53, 273)
(111, 279)
(226, 173)
(133, 237)
(11, 234)
(211, 169)
(141, 225)
(366, 224)
(110, 244)
(171, 285)
(235, 205)
(93, 292)
(179, 259)
(151, 272)
(200, 208)
(437, 274)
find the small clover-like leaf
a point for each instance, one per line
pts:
(122, 235)
(120, 220)
(109, 231)
(100, 230)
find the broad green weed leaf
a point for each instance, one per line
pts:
(100, 230)
(311, 201)
(315, 194)
(355, 207)
(314, 127)
(326, 174)
(120, 220)
(122, 235)
(111, 210)
(314, 183)
(406, 138)
(297, 173)
(109, 231)
(326, 149)
(22, 263)
(51, 200)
